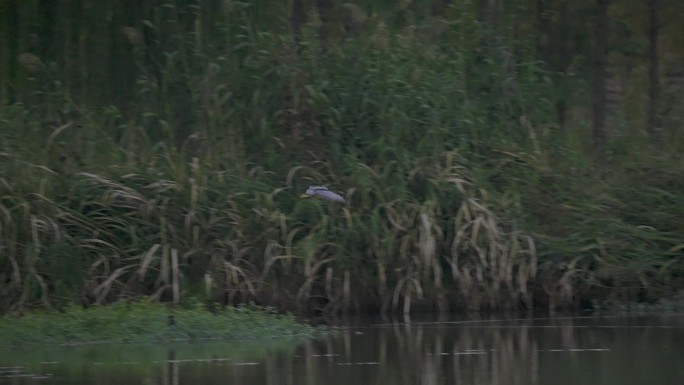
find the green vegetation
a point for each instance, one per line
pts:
(131, 362)
(144, 322)
(162, 156)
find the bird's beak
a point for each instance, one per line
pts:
(304, 196)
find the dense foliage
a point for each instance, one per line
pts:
(163, 155)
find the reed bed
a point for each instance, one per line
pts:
(459, 194)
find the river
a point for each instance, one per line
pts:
(615, 350)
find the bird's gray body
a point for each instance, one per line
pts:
(323, 192)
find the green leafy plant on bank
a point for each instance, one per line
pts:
(144, 322)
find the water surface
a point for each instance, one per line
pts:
(562, 350)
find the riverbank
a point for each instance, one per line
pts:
(146, 322)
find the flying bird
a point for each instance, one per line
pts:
(322, 192)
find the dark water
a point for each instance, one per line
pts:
(587, 351)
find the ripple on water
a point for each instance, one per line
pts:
(10, 372)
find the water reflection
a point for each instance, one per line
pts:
(597, 350)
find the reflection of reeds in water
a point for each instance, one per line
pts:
(466, 355)
(171, 372)
(515, 351)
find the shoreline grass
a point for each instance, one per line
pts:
(145, 322)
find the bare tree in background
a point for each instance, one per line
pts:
(325, 10)
(599, 82)
(654, 69)
(297, 19)
(561, 58)
(438, 7)
(12, 48)
(555, 47)
(490, 11)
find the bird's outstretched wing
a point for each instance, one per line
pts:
(323, 192)
(329, 195)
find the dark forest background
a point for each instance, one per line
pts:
(494, 154)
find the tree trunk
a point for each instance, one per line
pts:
(563, 57)
(653, 71)
(325, 10)
(599, 82)
(543, 32)
(47, 32)
(439, 7)
(297, 19)
(489, 11)
(74, 50)
(12, 28)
